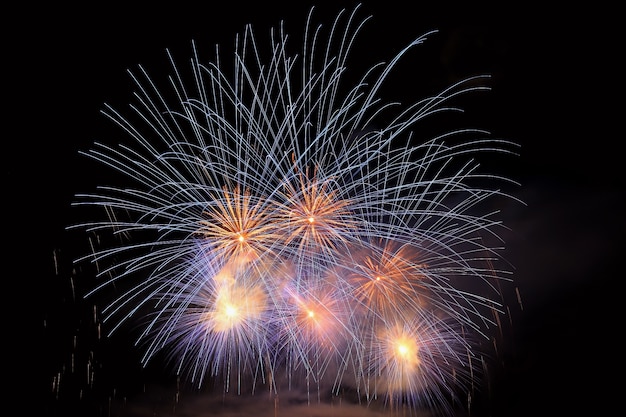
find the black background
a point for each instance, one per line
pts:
(555, 83)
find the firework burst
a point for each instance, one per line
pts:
(268, 228)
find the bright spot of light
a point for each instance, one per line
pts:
(231, 311)
(403, 349)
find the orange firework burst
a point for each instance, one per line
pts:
(387, 278)
(318, 318)
(316, 218)
(398, 351)
(239, 226)
(235, 304)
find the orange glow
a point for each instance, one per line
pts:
(231, 311)
(400, 358)
(310, 315)
(317, 319)
(234, 305)
(405, 351)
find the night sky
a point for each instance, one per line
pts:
(555, 77)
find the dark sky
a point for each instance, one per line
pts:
(555, 80)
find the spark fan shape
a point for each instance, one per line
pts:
(281, 228)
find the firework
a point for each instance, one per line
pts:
(281, 223)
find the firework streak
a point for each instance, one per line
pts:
(279, 228)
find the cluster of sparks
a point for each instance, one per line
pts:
(281, 229)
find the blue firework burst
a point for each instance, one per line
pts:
(280, 222)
